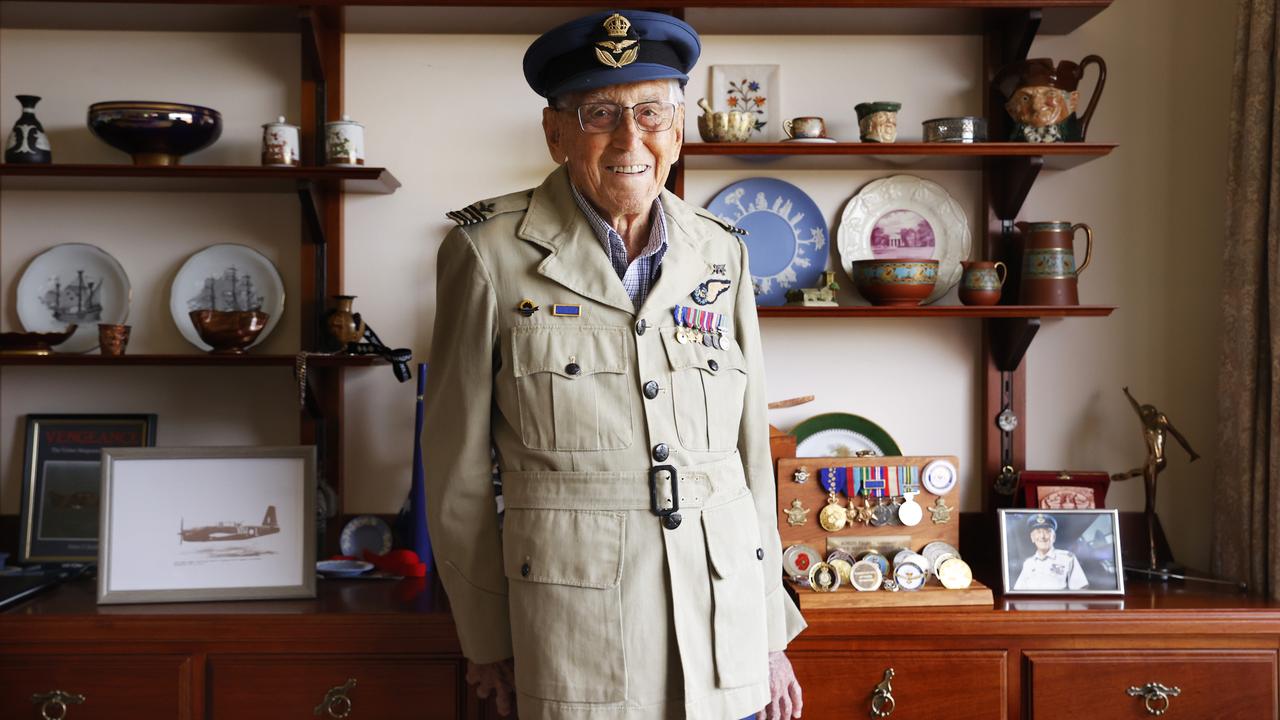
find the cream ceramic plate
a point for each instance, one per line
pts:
(226, 277)
(811, 140)
(73, 284)
(906, 217)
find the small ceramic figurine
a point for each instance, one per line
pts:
(1042, 99)
(28, 144)
(821, 296)
(878, 121)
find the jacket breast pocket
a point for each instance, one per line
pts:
(737, 589)
(572, 387)
(708, 386)
(564, 569)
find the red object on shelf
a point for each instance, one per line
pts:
(398, 562)
(1030, 482)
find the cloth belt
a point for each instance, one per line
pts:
(700, 486)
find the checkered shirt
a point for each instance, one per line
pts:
(640, 274)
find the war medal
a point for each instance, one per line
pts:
(566, 310)
(832, 518)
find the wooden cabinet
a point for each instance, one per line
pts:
(89, 685)
(1065, 685)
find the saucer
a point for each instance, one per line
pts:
(812, 140)
(343, 568)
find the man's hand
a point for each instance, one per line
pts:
(784, 690)
(499, 678)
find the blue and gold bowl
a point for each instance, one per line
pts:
(155, 133)
(895, 282)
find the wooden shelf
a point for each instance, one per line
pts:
(931, 156)
(752, 17)
(195, 178)
(942, 311)
(189, 360)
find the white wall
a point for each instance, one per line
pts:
(452, 118)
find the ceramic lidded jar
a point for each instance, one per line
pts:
(343, 142)
(28, 144)
(1049, 270)
(1042, 98)
(981, 282)
(280, 144)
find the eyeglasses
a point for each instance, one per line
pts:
(653, 116)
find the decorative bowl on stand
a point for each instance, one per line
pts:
(904, 283)
(229, 332)
(33, 343)
(155, 133)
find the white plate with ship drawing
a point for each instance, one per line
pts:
(226, 276)
(73, 283)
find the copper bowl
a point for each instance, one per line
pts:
(903, 282)
(33, 343)
(229, 332)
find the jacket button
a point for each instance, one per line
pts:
(759, 553)
(641, 326)
(651, 389)
(713, 364)
(524, 570)
(671, 521)
(661, 452)
(572, 368)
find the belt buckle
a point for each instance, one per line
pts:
(670, 516)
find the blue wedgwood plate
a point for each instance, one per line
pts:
(365, 532)
(787, 240)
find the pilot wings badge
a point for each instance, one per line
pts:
(709, 290)
(617, 53)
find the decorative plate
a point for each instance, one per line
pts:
(906, 217)
(226, 277)
(749, 88)
(810, 140)
(841, 435)
(73, 284)
(365, 532)
(787, 235)
(343, 568)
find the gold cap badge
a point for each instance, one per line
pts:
(617, 53)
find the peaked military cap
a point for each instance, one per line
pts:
(1041, 520)
(611, 48)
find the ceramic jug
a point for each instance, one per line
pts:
(1049, 268)
(981, 282)
(1042, 99)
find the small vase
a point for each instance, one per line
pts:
(28, 144)
(344, 325)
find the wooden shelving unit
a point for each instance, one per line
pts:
(907, 155)
(196, 178)
(188, 360)
(937, 311)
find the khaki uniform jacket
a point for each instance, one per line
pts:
(607, 612)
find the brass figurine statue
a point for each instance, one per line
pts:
(1155, 425)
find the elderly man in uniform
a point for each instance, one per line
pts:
(600, 335)
(1049, 568)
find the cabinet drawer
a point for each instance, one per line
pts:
(968, 685)
(113, 686)
(244, 687)
(1213, 684)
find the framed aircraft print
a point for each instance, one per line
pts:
(207, 523)
(62, 478)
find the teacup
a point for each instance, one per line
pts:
(981, 282)
(805, 128)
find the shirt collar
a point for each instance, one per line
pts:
(611, 240)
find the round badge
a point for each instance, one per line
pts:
(865, 576)
(909, 512)
(880, 561)
(839, 554)
(798, 559)
(843, 568)
(909, 575)
(937, 552)
(824, 578)
(955, 574)
(939, 477)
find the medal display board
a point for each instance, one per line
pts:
(866, 490)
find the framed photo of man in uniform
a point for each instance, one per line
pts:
(1061, 552)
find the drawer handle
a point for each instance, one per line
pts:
(53, 705)
(336, 704)
(1155, 697)
(882, 702)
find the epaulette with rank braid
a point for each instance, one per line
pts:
(478, 212)
(713, 218)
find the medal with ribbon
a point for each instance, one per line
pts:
(833, 517)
